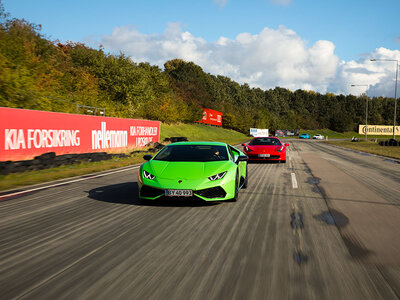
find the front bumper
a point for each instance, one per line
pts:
(216, 193)
(219, 190)
(272, 157)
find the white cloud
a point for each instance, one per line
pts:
(380, 76)
(274, 57)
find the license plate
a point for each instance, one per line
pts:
(263, 155)
(179, 193)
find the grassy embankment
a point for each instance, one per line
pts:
(370, 147)
(194, 132)
(199, 132)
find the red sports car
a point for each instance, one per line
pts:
(265, 149)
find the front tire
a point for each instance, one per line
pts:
(246, 180)
(234, 199)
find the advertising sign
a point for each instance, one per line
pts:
(211, 117)
(28, 133)
(378, 129)
(256, 132)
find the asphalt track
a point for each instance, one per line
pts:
(325, 225)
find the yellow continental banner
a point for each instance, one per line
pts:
(378, 129)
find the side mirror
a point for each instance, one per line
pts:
(287, 145)
(242, 158)
(147, 157)
(243, 145)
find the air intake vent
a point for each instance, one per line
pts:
(215, 192)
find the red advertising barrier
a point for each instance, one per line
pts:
(28, 133)
(211, 117)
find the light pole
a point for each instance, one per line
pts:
(395, 91)
(366, 107)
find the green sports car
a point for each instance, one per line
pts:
(210, 171)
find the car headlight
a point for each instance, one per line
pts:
(217, 176)
(247, 149)
(148, 175)
(280, 150)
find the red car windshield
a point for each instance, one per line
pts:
(265, 142)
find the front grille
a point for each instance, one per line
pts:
(215, 192)
(148, 191)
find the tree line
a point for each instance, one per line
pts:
(36, 73)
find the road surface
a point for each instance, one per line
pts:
(325, 225)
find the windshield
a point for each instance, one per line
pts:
(195, 153)
(265, 142)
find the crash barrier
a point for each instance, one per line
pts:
(391, 142)
(25, 134)
(176, 139)
(51, 160)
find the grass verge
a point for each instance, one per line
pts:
(369, 147)
(16, 180)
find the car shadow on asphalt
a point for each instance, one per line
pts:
(127, 193)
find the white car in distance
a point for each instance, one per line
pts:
(318, 137)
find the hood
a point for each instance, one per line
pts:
(185, 170)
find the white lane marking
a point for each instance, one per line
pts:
(294, 181)
(66, 182)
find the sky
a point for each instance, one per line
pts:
(320, 45)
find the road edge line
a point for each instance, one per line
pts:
(13, 193)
